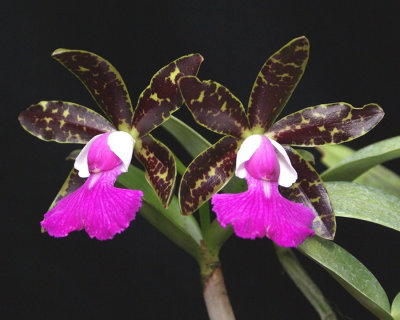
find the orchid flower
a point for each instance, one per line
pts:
(95, 204)
(259, 150)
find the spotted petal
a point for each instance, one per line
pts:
(63, 122)
(214, 106)
(159, 164)
(162, 96)
(207, 174)
(276, 81)
(326, 124)
(310, 190)
(103, 81)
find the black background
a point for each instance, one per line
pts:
(141, 274)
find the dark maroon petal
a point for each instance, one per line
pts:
(326, 124)
(103, 81)
(214, 106)
(162, 96)
(310, 190)
(207, 174)
(276, 81)
(159, 164)
(72, 183)
(63, 122)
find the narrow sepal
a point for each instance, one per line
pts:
(103, 81)
(326, 124)
(276, 81)
(63, 122)
(162, 97)
(159, 164)
(310, 190)
(72, 183)
(207, 174)
(214, 106)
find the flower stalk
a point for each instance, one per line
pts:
(216, 297)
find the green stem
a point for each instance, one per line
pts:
(204, 213)
(303, 281)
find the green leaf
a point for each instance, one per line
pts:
(276, 82)
(377, 177)
(310, 190)
(364, 159)
(305, 284)
(207, 174)
(63, 122)
(159, 164)
(162, 97)
(307, 155)
(192, 141)
(102, 80)
(326, 124)
(214, 106)
(350, 273)
(396, 307)
(183, 231)
(353, 200)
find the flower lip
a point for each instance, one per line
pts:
(105, 152)
(287, 174)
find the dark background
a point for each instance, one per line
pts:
(141, 274)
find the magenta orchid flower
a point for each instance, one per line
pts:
(95, 204)
(261, 210)
(259, 149)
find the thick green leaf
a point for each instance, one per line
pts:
(305, 284)
(192, 141)
(183, 231)
(363, 160)
(326, 124)
(162, 97)
(214, 106)
(395, 311)
(276, 82)
(350, 273)
(377, 177)
(353, 200)
(72, 183)
(160, 167)
(63, 122)
(310, 190)
(207, 174)
(103, 81)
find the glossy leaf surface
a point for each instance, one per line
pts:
(353, 200)
(64, 122)
(326, 124)
(214, 106)
(364, 159)
(310, 190)
(276, 81)
(207, 174)
(305, 284)
(160, 167)
(103, 81)
(162, 97)
(72, 183)
(395, 311)
(350, 273)
(378, 177)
